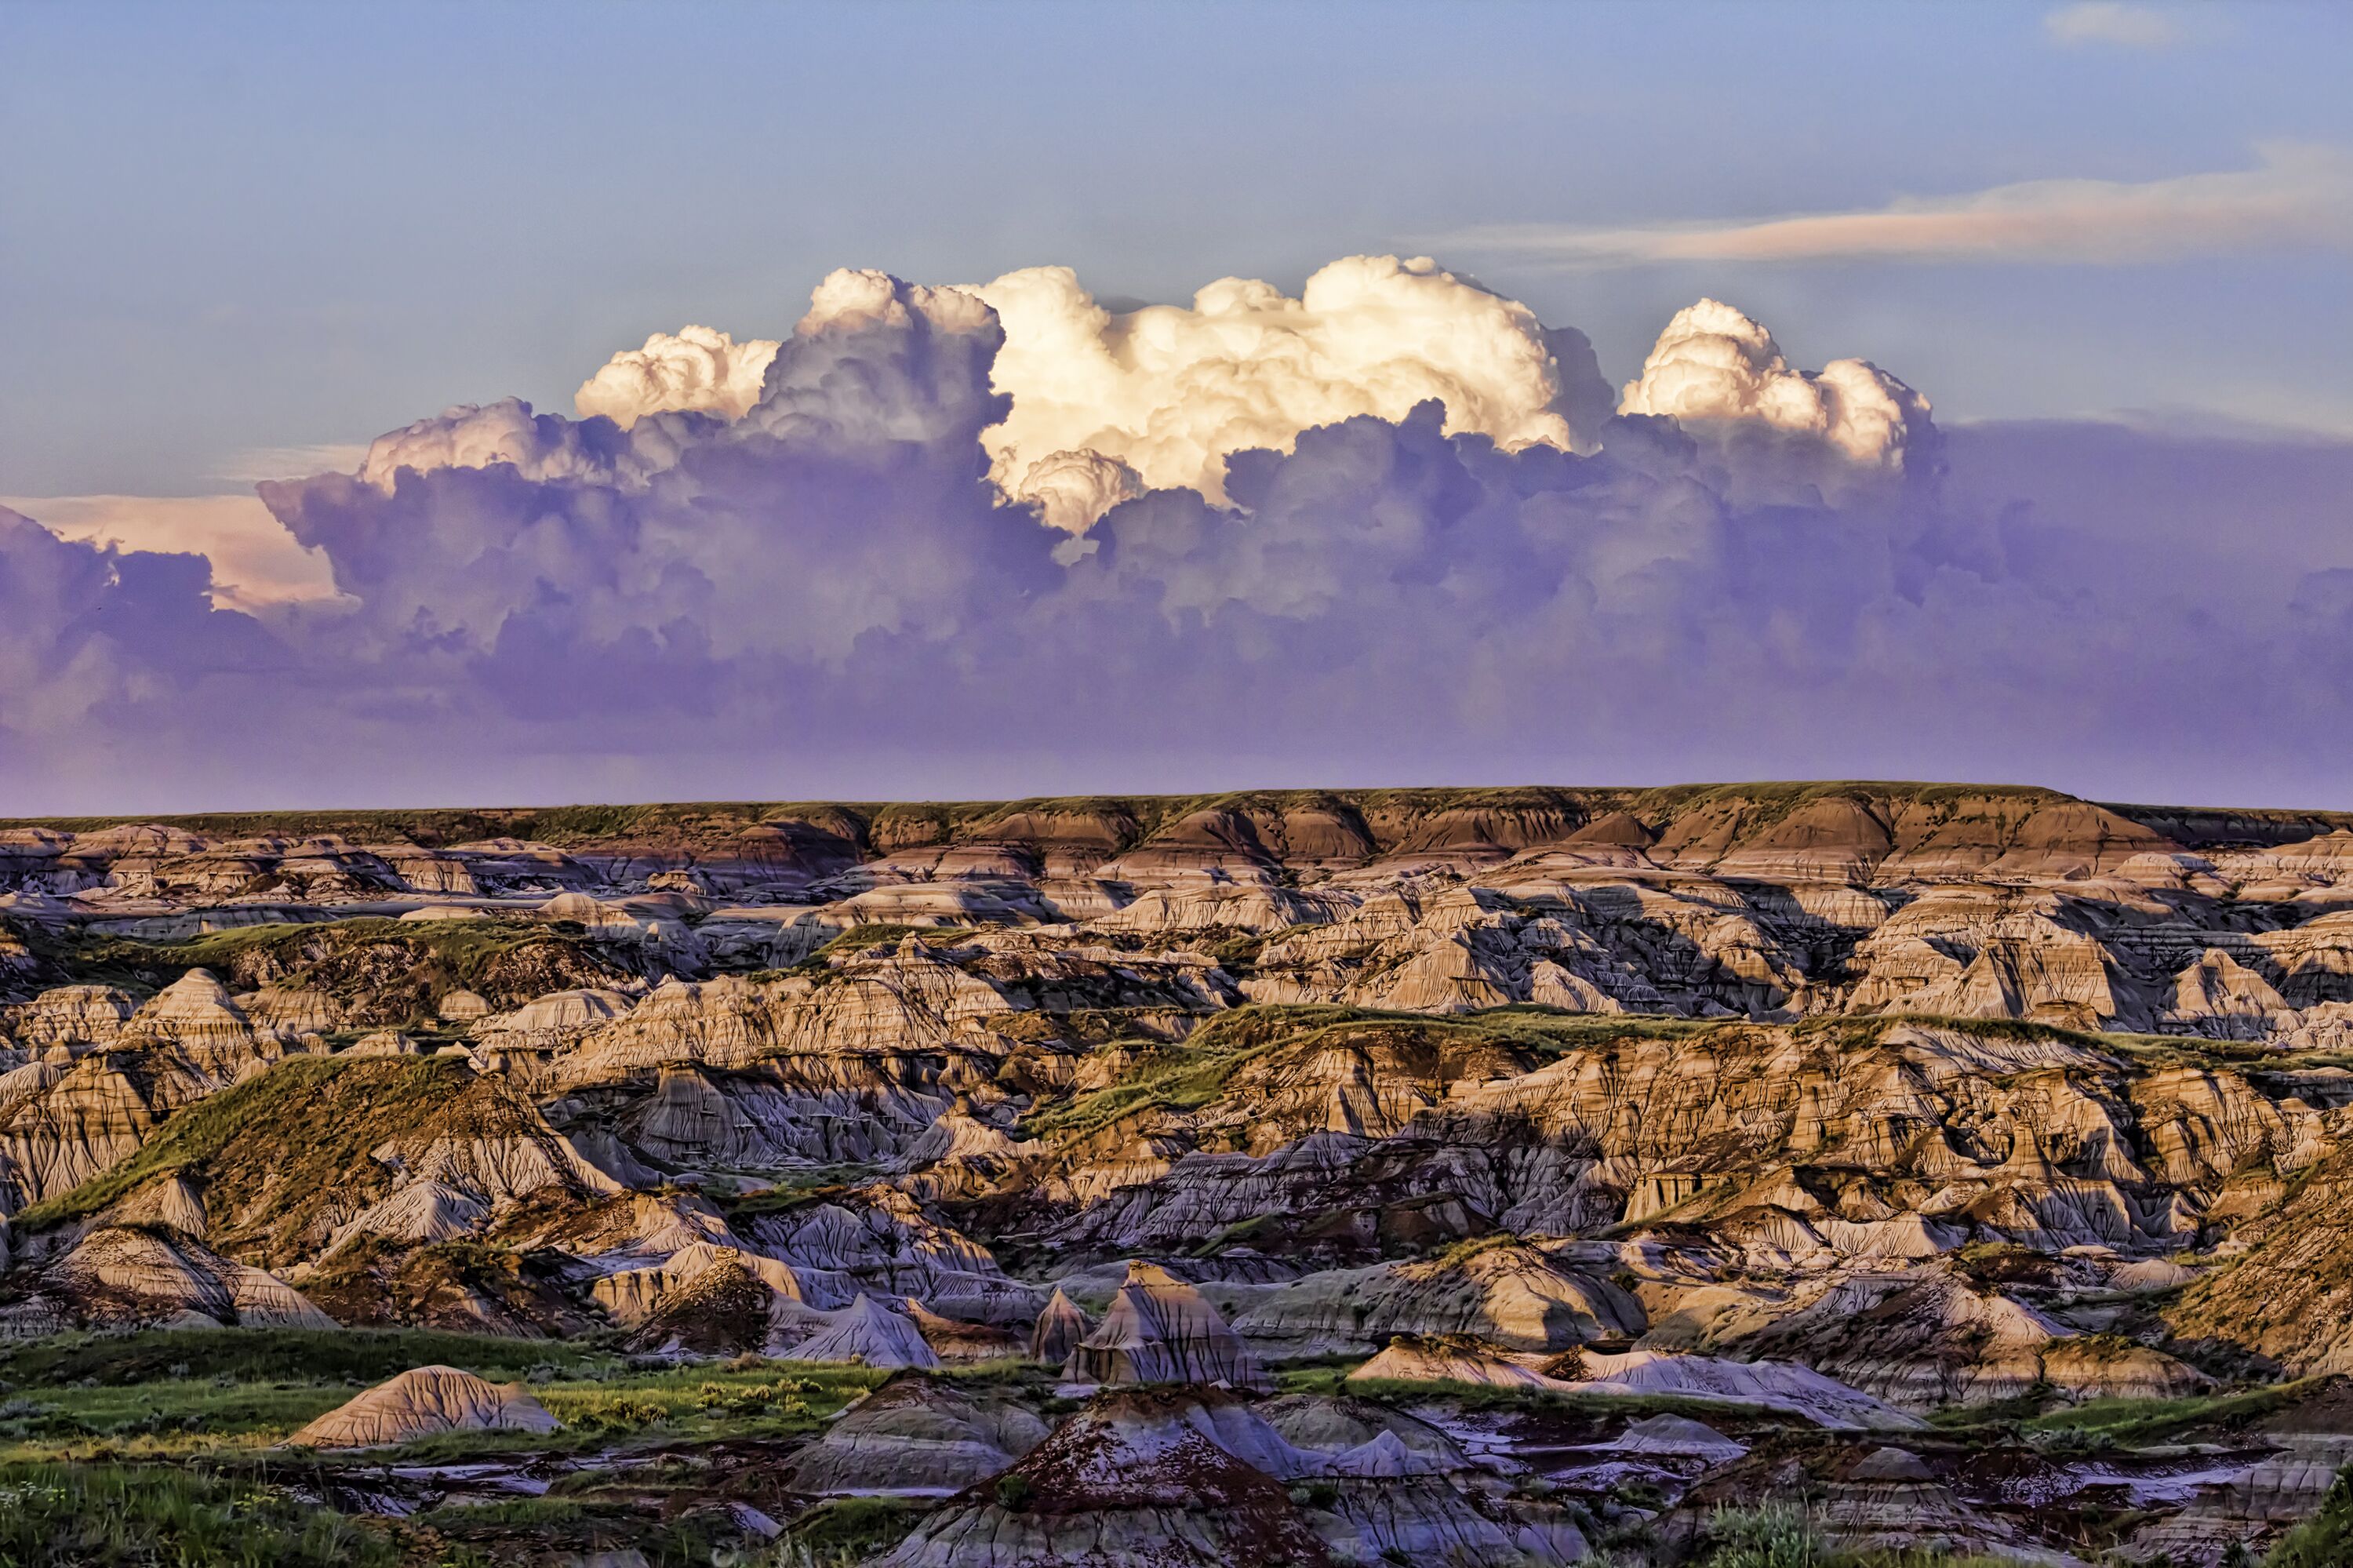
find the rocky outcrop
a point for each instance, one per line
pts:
(1139, 1477)
(1795, 1099)
(1925, 1339)
(1510, 1294)
(1681, 1437)
(149, 1276)
(1190, 1475)
(915, 1437)
(884, 1242)
(1771, 1385)
(1319, 1423)
(710, 1297)
(869, 1334)
(1061, 1328)
(421, 1402)
(2289, 1295)
(1412, 1359)
(1792, 1390)
(1161, 1329)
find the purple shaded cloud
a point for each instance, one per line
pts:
(828, 596)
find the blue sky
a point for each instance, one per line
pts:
(225, 229)
(2107, 239)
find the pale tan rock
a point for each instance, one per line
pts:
(1680, 1436)
(1407, 1359)
(136, 1275)
(421, 1402)
(195, 1010)
(634, 1294)
(72, 1014)
(421, 1212)
(461, 1007)
(295, 1009)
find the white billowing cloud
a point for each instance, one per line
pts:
(1103, 402)
(540, 446)
(256, 563)
(1721, 376)
(850, 298)
(678, 389)
(2112, 22)
(467, 436)
(2297, 196)
(697, 370)
(1070, 490)
(1077, 409)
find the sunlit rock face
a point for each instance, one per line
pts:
(422, 1402)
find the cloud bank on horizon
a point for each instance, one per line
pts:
(1001, 539)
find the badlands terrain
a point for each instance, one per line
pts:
(1790, 1173)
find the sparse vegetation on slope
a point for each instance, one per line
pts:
(383, 972)
(280, 1145)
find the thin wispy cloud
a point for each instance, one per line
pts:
(2297, 196)
(256, 463)
(2113, 22)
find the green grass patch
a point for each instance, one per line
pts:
(846, 1530)
(180, 1413)
(1785, 1535)
(749, 1397)
(160, 1393)
(149, 1515)
(791, 1190)
(278, 1355)
(2134, 1421)
(1184, 1076)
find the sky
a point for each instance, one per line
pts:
(237, 243)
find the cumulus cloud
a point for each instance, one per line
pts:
(697, 370)
(1777, 430)
(1168, 393)
(537, 446)
(850, 500)
(2294, 196)
(2112, 22)
(828, 595)
(1103, 405)
(256, 563)
(95, 642)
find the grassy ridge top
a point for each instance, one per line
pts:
(1135, 818)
